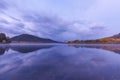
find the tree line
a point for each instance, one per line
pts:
(4, 38)
(103, 40)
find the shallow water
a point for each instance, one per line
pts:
(60, 62)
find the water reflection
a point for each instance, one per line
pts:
(110, 47)
(31, 48)
(23, 48)
(61, 62)
(3, 49)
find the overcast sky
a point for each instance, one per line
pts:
(60, 19)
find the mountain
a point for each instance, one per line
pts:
(31, 38)
(115, 36)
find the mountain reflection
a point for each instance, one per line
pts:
(29, 48)
(23, 48)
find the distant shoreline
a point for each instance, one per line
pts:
(59, 44)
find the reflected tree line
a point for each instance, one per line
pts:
(113, 48)
(3, 49)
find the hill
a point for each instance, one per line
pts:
(115, 39)
(115, 36)
(31, 38)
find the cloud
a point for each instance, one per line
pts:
(52, 27)
(107, 12)
(47, 26)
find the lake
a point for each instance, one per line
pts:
(60, 62)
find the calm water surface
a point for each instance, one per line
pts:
(60, 62)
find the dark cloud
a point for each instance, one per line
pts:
(3, 5)
(20, 25)
(14, 18)
(4, 21)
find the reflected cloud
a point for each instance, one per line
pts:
(60, 63)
